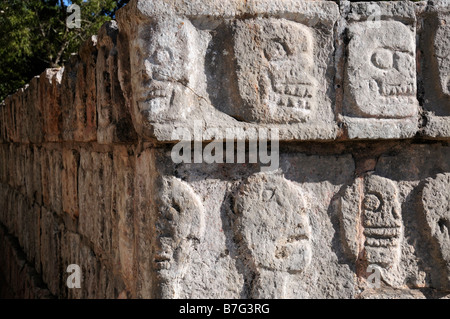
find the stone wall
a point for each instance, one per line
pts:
(353, 100)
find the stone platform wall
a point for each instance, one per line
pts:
(352, 98)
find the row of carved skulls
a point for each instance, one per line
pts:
(272, 221)
(274, 67)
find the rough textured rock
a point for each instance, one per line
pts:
(436, 206)
(380, 71)
(372, 225)
(273, 223)
(435, 61)
(351, 100)
(178, 80)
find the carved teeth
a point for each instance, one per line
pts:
(298, 90)
(377, 242)
(397, 90)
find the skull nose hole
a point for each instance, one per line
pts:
(383, 59)
(444, 225)
(372, 202)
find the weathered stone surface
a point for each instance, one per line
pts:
(179, 79)
(78, 105)
(94, 198)
(435, 48)
(436, 207)
(380, 71)
(180, 227)
(144, 185)
(114, 119)
(69, 180)
(273, 223)
(372, 225)
(51, 168)
(50, 243)
(123, 216)
(33, 113)
(50, 103)
(88, 174)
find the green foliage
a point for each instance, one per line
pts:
(35, 36)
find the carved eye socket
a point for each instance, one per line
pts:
(371, 202)
(275, 51)
(383, 59)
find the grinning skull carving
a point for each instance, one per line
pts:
(274, 224)
(180, 228)
(163, 66)
(274, 64)
(381, 73)
(371, 218)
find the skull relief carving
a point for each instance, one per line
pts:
(274, 65)
(164, 69)
(180, 228)
(274, 225)
(381, 70)
(372, 222)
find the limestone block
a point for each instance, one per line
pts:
(123, 215)
(50, 103)
(10, 212)
(69, 182)
(436, 207)
(435, 59)
(380, 71)
(71, 254)
(237, 73)
(4, 154)
(36, 175)
(19, 151)
(79, 115)
(114, 119)
(4, 199)
(50, 248)
(33, 124)
(12, 115)
(51, 169)
(274, 225)
(144, 185)
(3, 135)
(94, 198)
(91, 274)
(372, 225)
(179, 229)
(413, 168)
(223, 266)
(29, 235)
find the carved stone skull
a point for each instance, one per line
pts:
(371, 219)
(274, 65)
(274, 224)
(381, 70)
(180, 227)
(163, 66)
